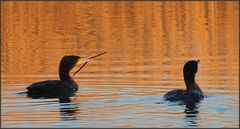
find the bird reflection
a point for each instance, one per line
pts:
(68, 110)
(191, 116)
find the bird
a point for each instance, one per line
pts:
(66, 86)
(193, 93)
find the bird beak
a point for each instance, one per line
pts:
(88, 58)
(85, 61)
(80, 67)
(81, 61)
(198, 61)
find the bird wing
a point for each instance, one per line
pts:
(52, 87)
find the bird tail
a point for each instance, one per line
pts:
(25, 92)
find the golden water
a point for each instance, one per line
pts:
(147, 43)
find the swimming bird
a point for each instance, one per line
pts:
(66, 86)
(193, 93)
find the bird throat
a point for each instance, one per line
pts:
(64, 76)
(190, 82)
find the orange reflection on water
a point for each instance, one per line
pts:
(147, 43)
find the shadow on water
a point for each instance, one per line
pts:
(68, 110)
(191, 110)
(191, 116)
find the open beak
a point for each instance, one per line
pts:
(85, 60)
(88, 58)
(80, 67)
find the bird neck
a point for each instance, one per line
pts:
(191, 83)
(64, 76)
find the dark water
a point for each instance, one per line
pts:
(147, 43)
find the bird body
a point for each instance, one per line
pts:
(187, 96)
(51, 89)
(63, 88)
(193, 93)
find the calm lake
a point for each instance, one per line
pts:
(147, 43)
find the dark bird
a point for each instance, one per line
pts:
(193, 93)
(63, 88)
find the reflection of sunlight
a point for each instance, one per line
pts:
(147, 49)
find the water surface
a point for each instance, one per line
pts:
(147, 43)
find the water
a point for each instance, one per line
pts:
(147, 43)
